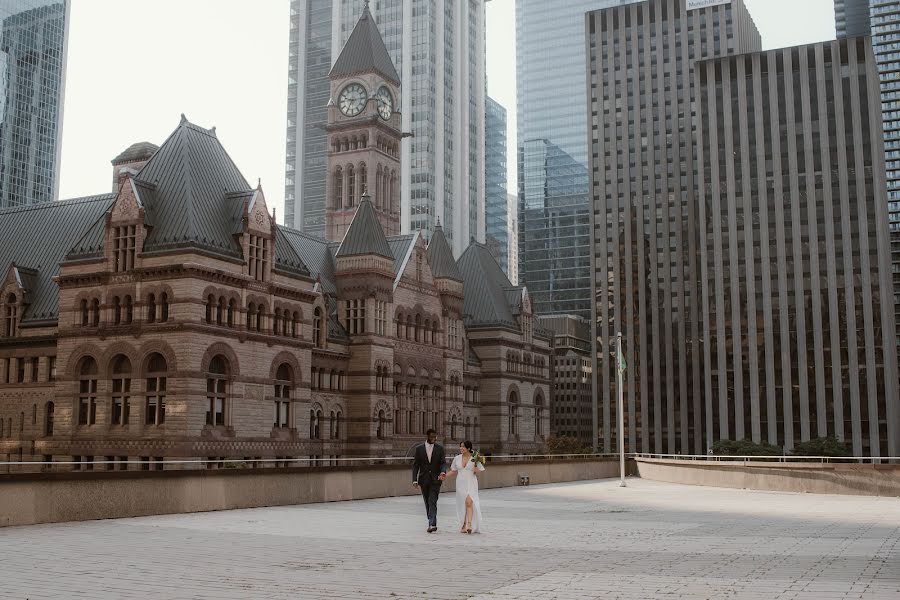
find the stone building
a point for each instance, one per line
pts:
(173, 318)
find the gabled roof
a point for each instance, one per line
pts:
(189, 190)
(440, 257)
(488, 291)
(315, 253)
(365, 235)
(365, 52)
(36, 238)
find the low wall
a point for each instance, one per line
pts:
(816, 478)
(28, 499)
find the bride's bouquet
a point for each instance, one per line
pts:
(477, 458)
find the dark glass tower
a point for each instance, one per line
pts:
(32, 79)
(851, 18)
(495, 190)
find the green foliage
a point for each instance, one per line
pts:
(827, 446)
(565, 445)
(745, 448)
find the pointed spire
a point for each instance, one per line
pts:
(365, 235)
(365, 52)
(440, 256)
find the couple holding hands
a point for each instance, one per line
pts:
(429, 470)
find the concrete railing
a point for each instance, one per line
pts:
(819, 475)
(31, 498)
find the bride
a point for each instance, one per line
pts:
(468, 510)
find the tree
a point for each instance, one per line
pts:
(823, 446)
(565, 445)
(745, 447)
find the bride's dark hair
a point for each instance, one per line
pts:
(468, 445)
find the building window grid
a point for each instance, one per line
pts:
(259, 257)
(124, 243)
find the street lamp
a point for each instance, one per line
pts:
(620, 371)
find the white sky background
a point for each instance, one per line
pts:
(135, 65)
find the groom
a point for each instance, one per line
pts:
(428, 472)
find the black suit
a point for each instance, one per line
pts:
(426, 473)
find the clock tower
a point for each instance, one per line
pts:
(364, 132)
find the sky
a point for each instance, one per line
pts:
(135, 66)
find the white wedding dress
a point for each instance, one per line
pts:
(467, 485)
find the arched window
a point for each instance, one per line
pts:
(87, 392)
(341, 381)
(48, 418)
(453, 427)
(351, 186)
(283, 383)
(121, 390)
(338, 188)
(164, 307)
(85, 318)
(217, 390)
(331, 424)
(117, 311)
(418, 327)
(295, 324)
(378, 198)
(409, 327)
(95, 312)
(276, 322)
(232, 309)
(363, 179)
(314, 378)
(155, 405)
(337, 425)
(315, 424)
(317, 327)
(513, 410)
(151, 308)
(12, 314)
(210, 303)
(129, 310)
(251, 316)
(379, 427)
(220, 311)
(538, 415)
(434, 331)
(332, 380)
(400, 326)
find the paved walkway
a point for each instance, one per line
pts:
(567, 541)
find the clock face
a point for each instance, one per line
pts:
(385, 103)
(352, 99)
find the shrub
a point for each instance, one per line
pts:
(565, 445)
(826, 446)
(745, 447)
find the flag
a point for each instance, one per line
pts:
(621, 356)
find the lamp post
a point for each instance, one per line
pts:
(620, 371)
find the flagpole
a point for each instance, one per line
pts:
(620, 369)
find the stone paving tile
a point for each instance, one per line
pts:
(565, 542)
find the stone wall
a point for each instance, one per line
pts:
(58, 497)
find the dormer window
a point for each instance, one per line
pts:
(11, 316)
(124, 247)
(259, 257)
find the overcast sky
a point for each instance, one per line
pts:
(134, 66)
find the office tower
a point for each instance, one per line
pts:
(552, 153)
(885, 21)
(438, 51)
(794, 248)
(495, 195)
(309, 90)
(641, 101)
(851, 18)
(512, 217)
(33, 42)
(570, 389)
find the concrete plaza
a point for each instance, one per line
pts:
(564, 541)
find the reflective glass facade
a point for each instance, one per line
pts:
(885, 25)
(32, 80)
(794, 250)
(851, 18)
(439, 55)
(495, 192)
(552, 153)
(308, 93)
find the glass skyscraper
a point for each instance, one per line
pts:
(552, 154)
(851, 18)
(438, 50)
(885, 25)
(33, 39)
(495, 189)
